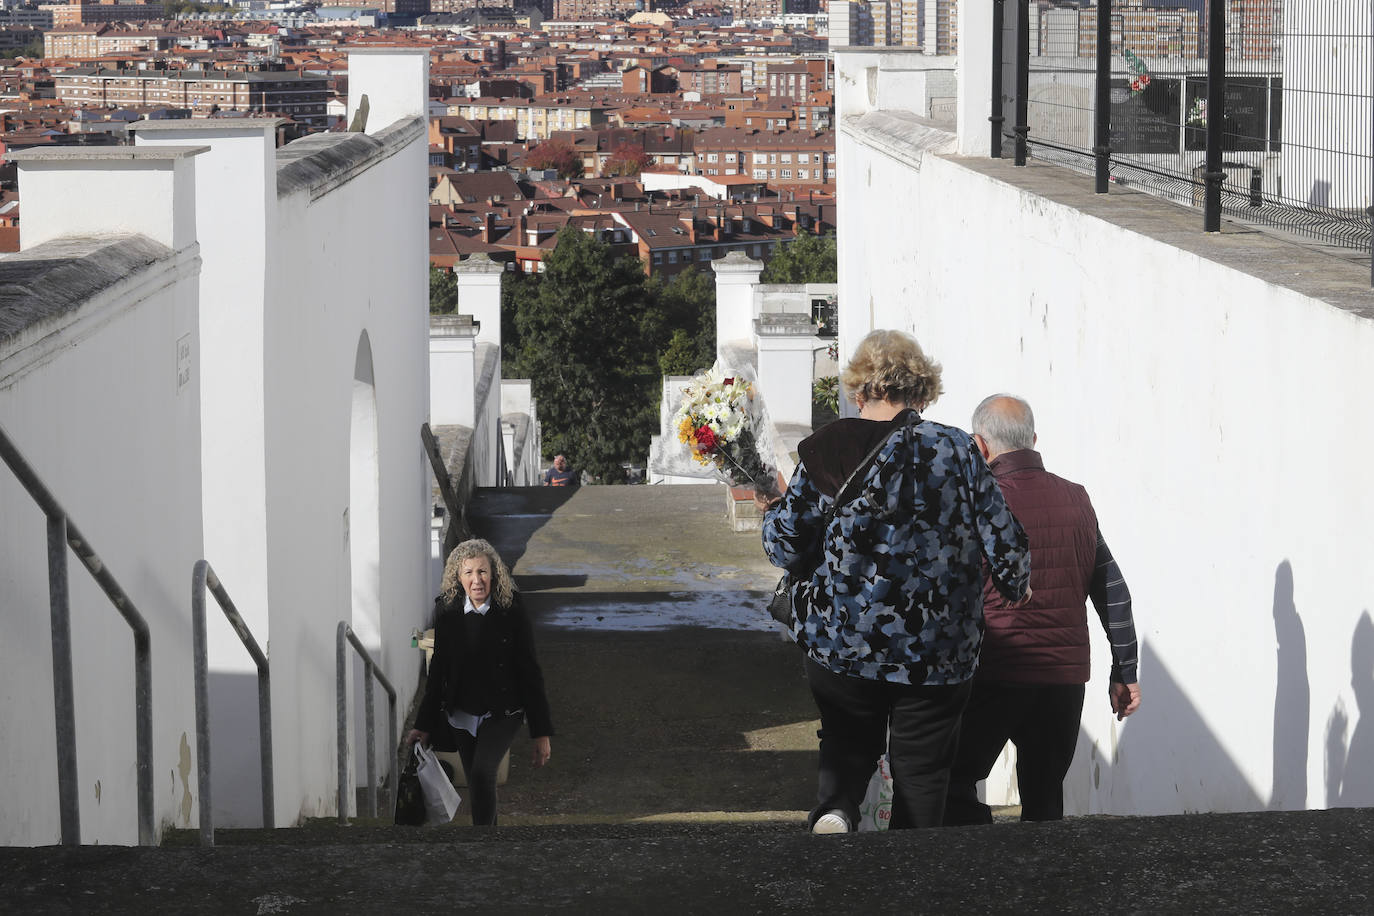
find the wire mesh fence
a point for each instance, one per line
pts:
(1295, 124)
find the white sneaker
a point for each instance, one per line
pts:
(831, 822)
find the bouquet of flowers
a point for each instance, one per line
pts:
(717, 422)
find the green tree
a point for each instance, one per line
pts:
(581, 347)
(682, 322)
(443, 291)
(806, 259)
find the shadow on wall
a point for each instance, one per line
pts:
(1167, 761)
(1350, 765)
(235, 750)
(1292, 699)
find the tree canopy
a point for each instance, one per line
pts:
(558, 155)
(443, 291)
(626, 160)
(594, 336)
(806, 259)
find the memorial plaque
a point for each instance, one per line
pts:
(1245, 124)
(1145, 122)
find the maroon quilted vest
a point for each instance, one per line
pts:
(1045, 642)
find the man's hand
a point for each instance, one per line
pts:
(542, 751)
(416, 735)
(1125, 698)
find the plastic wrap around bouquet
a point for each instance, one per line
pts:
(722, 429)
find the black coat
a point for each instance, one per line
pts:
(508, 674)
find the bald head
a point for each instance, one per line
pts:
(1005, 423)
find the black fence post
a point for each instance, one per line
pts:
(1022, 77)
(997, 119)
(1213, 176)
(1102, 148)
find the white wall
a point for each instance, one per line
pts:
(352, 275)
(1212, 417)
(236, 196)
(93, 400)
(1326, 111)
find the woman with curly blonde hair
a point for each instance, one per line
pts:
(887, 592)
(484, 678)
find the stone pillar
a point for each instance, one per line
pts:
(479, 295)
(83, 191)
(737, 280)
(973, 76)
(452, 370)
(786, 348)
(395, 81)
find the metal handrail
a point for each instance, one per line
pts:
(203, 578)
(370, 670)
(61, 534)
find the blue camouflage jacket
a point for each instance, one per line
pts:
(892, 590)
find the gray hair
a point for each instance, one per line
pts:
(1005, 422)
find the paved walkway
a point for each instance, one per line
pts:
(682, 768)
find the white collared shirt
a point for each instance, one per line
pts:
(470, 608)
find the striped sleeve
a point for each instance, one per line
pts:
(1112, 599)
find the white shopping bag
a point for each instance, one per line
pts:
(875, 811)
(441, 799)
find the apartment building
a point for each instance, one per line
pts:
(535, 119)
(777, 157)
(85, 41)
(296, 95)
(711, 79)
(86, 12)
(798, 80)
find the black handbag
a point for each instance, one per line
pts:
(410, 798)
(780, 606)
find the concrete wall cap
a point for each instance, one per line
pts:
(106, 154)
(203, 125)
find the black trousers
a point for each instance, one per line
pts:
(1042, 721)
(481, 758)
(916, 725)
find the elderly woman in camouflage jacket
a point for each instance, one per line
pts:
(888, 597)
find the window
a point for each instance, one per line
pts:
(730, 157)
(761, 174)
(772, 173)
(786, 157)
(658, 257)
(803, 158)
(711, 157)
(672, 257)
(803, 173)
(704, 254)
(772, 157)
(786, 173)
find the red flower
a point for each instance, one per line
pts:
(706, 438)
(729, 381)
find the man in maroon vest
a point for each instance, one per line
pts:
(1035, 658)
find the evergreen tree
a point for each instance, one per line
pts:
(806, 259)
(683, 323)
(581, 345)
(443, 291)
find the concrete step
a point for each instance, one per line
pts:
(1279, 862)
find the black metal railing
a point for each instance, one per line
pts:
(1260, 111)
(203, 579)
(63, 533)
(347, 637)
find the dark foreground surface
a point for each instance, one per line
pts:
(1304, 862)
